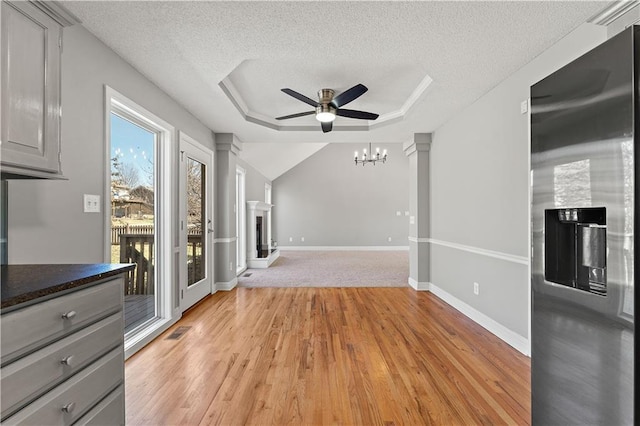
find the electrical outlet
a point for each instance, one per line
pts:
(302, 239)
(91, 203)
(476, 288)
(231, 266)
(389, 239)
(290, 239)
(398, 213)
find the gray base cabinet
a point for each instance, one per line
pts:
(63, 359)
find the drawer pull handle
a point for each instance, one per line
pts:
(69, 315)
(67, 360)
(68, 408)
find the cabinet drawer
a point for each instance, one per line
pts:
(30, 328)
(110, 411)
(77, 395)
(28, 377)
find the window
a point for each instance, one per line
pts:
(138, 220)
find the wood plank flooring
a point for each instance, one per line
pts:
(317, 356)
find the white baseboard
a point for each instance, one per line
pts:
(510, 337)
(229, 285)
(419, 286)
(343, 248)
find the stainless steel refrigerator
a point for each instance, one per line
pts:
(585, 133)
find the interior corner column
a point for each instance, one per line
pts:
(417, 150)
(227, 148)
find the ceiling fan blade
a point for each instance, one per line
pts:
(300, 114)
(327, 126)
(300, 97)
(349, 95)
(352, 113)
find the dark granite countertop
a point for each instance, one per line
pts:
(26, 284)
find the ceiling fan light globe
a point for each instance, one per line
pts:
(325, 113)
(325, 117)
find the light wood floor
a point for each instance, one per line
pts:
(317, 356)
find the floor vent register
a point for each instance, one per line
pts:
(178, 332)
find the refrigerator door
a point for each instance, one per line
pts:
(582, 160)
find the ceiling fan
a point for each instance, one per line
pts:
(328, 106)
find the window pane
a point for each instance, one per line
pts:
(196, 174)
(133, 221)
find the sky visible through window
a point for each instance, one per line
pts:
(133, 146)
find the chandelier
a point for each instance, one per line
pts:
(371, 157)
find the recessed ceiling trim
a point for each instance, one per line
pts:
(613, 12)
(424, 84)
(238, 101)
(232, 93)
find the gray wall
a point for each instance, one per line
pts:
(480, 192)
(254, 182)
(46, 219)
(225, 230)
(330, 202)
(225, 256)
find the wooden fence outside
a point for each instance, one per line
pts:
(118, 230)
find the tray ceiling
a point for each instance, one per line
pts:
(227, 61)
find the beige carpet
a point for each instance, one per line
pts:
(332, 269)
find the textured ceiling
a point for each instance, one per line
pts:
(189, 47)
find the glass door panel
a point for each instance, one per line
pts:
(196, 223)
(133, 218)
(196, 218)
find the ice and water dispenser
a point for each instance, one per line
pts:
(576, 248)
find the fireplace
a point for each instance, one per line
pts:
(260, 254)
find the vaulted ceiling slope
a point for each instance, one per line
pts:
(422, 61)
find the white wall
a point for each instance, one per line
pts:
(330, 201)
(46, 219)
(480, 193)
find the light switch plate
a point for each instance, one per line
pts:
(91, 203)
(524, 106)
(412, 220)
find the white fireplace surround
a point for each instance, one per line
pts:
(257, 209)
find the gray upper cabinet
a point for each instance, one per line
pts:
(31, 41)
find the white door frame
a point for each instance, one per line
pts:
(164, 162)
(241, 220)
(189, 295)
